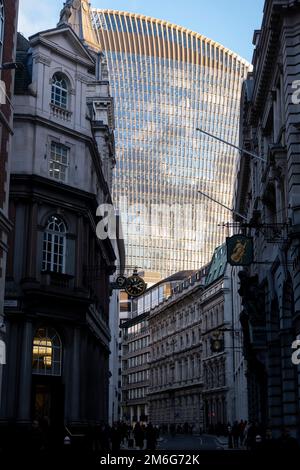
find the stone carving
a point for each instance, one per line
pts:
(66, 12)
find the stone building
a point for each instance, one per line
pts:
(224, 382)
(135, 369)
(57, 288)
(8, 41)
(197, 368)
(114, 411)
(136, 348)
(268, 194)
(175, 394)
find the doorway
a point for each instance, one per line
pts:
(48, 408)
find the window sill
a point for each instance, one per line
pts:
(55, 279)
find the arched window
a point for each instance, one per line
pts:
(54, 245)
(1, 29)
(46, 352)
(59, 91)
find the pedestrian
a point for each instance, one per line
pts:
(36, 437)
(138, 436)
(229, 433)
(286, 442)
(269, 443)
(151, 437)
(236, 434)
(251, 434)
(115, 438)
(242, 426)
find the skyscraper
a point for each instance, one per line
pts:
(167, 81)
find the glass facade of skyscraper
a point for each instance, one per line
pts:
(167, 81)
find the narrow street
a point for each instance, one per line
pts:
(188, 442)
(149, 233)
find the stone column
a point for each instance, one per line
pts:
(24, 405)
(10, 374)
(188, 368)
(176, 371)
(138, 413)
(31, 241)
(131, 414)
(74, 394)
(79, 252)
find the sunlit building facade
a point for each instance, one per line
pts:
(167, 81)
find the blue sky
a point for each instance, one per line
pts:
(230, 22)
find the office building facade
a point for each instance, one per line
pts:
(167, 81)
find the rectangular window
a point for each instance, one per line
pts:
(59, 161)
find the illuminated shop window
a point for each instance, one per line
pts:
(46, 352)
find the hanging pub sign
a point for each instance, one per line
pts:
(239, 250)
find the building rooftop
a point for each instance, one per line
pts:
(23, 75)
(217, 266)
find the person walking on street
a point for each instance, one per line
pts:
(230, 440)
(151, 436)
(138, 436)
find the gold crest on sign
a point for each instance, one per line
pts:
(239, 251)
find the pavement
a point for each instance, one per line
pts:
(221, 440)
(187, 442)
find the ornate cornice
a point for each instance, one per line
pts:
(82, 78)
(42, 59)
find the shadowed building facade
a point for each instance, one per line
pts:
(268, 193)
(8, 40)
(57, 288)
(167, 81)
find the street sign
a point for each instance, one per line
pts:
(239, 250)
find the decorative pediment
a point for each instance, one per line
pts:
(68, 42)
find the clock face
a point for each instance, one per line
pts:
(135, 286)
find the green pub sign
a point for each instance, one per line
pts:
(239, 250)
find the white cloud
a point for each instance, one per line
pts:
(38, 15)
